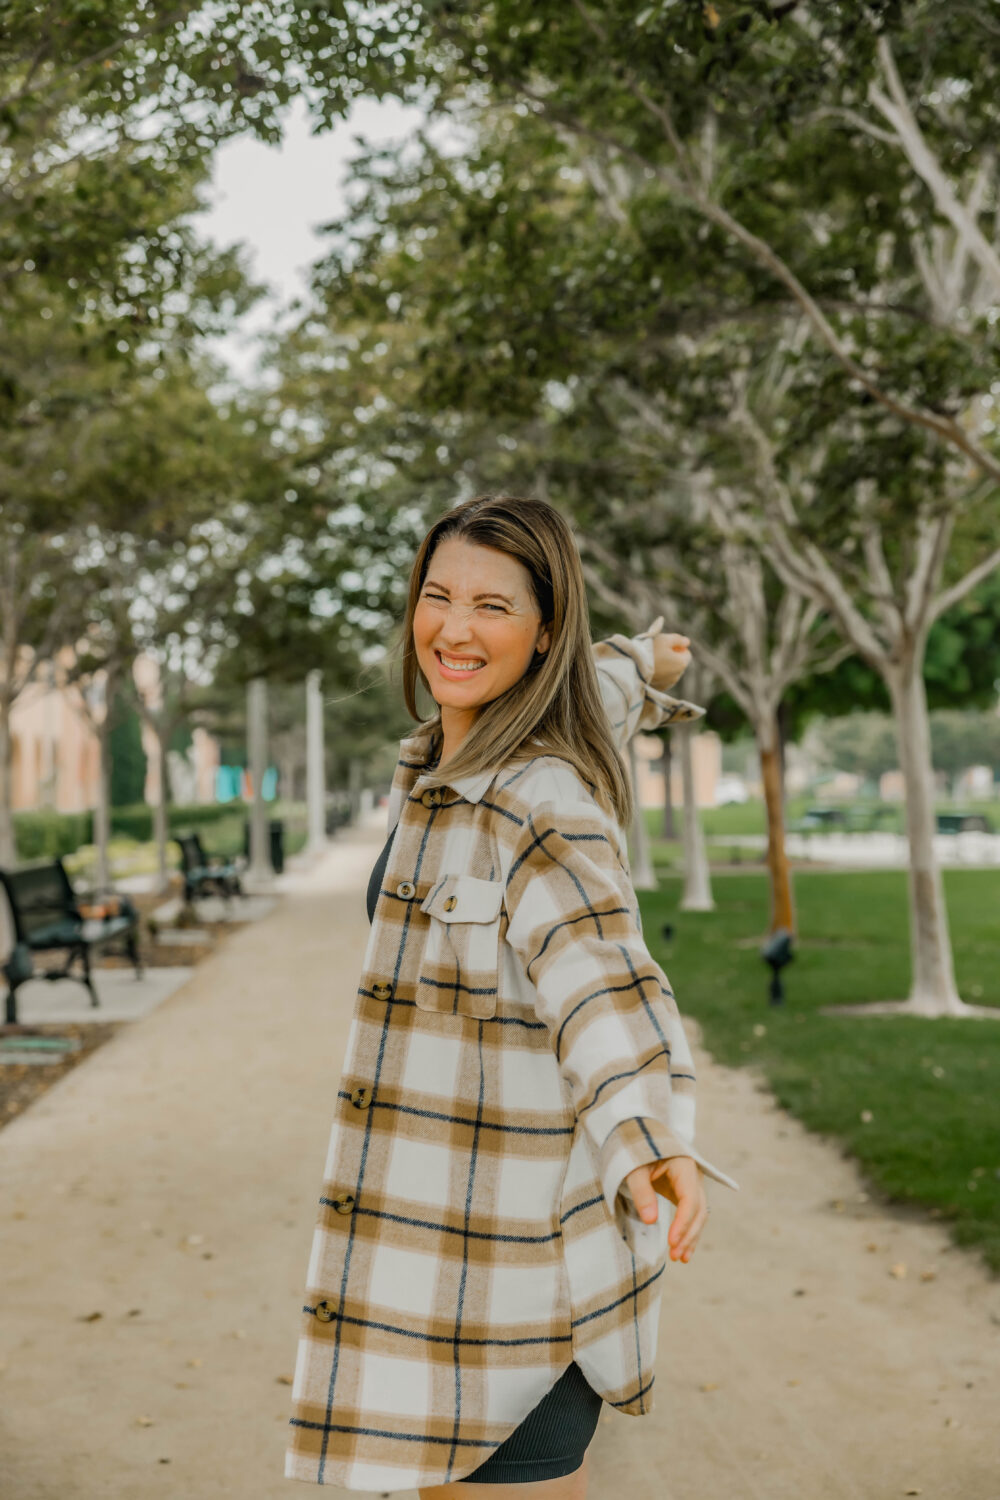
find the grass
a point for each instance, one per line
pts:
(932, 1087)
(738, 819)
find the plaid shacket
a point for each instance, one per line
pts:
(515, 1051)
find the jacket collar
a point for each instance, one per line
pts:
(416, 749)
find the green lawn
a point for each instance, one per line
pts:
(741, 818)
(932, 1087)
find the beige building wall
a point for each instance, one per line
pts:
(54, 756)
(707, 758)
(54, 752)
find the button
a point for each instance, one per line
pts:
(432, 796)
(344, 1203)
(451, 903)
(325, 1311)
(381, 991)
(361, 1098)
(406, 889)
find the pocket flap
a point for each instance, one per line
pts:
(464, 898)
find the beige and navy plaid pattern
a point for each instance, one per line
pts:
(515, 1051)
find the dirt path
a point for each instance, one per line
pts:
(168, 1184)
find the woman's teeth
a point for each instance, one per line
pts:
(460, 666)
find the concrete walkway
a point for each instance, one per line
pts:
(157, 1211)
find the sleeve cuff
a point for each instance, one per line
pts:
(656, 708)
(636, 1142)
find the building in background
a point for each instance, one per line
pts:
(706, 750)
(55, 758)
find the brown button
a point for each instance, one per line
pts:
(451, 903)
(381, 991)
(406, 889)
(325, 1311)
(344, 1203)
(431, 797)
(361, 1098)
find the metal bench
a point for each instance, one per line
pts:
(47, 918)
(204, 875)
(816, 818)
(958, 822)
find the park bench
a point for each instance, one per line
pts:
(959, 822)
(47, 917)
(205, 875)
(815, 818)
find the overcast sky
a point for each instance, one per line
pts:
(270, 197)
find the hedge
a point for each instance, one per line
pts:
(45, 834)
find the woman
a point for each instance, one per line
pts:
(517, 1088)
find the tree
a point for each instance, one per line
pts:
(128, 758)
(909, 543)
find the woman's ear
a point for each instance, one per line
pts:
(544, 642)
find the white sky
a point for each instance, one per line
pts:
(270, 197)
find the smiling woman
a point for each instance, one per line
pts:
(518, 1089)
(473, 641)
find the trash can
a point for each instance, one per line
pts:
(277, 832)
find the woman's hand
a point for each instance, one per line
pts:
(670, 655)
(680, 1179)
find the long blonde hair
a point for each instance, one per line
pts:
(558, 700)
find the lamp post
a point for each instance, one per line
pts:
(261, 871)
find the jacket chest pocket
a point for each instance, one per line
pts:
(460, 962)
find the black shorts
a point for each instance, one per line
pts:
(552, 1438)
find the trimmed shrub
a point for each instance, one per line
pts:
(45, 834)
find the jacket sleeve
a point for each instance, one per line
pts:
(614, 1026)
(624, 672)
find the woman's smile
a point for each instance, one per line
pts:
(458, 666)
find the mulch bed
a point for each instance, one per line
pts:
(22, 1083)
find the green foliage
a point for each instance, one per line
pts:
(128, 758)
(46, 834)
(137, 822)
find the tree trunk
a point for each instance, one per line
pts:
(932, 988)
(315, 763)
(782, 910)
(8, 853)
(642, 872)
(160, 808)
(697, 881)
(669, 829)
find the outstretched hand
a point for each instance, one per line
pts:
(680, 1179)
(670, 655)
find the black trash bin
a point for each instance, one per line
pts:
(277, 831)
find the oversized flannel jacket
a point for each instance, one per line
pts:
(515, 1051)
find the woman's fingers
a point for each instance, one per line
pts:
(643, 1194)
(680, 1180)
(688, 1222)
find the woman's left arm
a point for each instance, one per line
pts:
(630, 671)
(611, 1014)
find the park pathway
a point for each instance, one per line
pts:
(157, 1207)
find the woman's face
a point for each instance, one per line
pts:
(476, 610)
